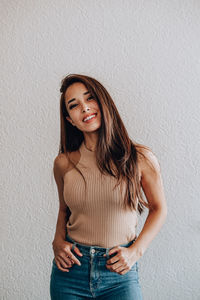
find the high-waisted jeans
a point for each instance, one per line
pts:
(92, 280)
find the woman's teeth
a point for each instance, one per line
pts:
(88, 118)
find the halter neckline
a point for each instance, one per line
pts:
(83, 146)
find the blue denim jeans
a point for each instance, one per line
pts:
(92, 280)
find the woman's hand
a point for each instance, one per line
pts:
(64, 258)
(123, 261)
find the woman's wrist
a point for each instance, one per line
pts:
(58, 239)
(137, 249)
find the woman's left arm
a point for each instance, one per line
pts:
(152, 185)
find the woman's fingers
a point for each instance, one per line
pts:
(77, 251)
(64, 264)
(74, 259)
(67, 262)
(60, 266)
(64, 257)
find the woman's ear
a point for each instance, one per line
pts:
(70, 120)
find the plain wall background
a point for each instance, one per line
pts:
(147, 54)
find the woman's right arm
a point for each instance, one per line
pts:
(62, 212)
(62, 249)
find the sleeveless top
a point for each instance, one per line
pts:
(97, 216)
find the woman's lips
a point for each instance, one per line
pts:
(90, 120)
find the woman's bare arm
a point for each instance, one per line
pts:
(152, 185)
(63, 212)
(64, 257)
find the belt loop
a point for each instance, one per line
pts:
(73, 246)
(107, 250)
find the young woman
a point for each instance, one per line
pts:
(99, 173)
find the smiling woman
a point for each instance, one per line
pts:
(100, 173)
(82, 100)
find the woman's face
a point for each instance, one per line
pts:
(81, 104)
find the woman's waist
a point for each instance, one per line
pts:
(95, 249)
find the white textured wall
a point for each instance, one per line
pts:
(147, 54)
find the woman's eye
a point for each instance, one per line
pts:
(76, 104)
(72, 106)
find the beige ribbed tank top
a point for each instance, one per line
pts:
(97, 217)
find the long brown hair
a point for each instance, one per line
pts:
(117, 154)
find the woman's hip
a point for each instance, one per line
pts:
(92, 278)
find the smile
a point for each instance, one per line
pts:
(89, 118)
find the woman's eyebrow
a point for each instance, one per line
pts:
(87, 92)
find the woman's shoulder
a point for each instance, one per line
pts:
(61, 159)
(143, 150)
(147, 159)
(61, 164)
(64, 162)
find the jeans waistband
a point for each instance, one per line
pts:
(88, 250)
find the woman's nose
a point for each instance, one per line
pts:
(85, 107)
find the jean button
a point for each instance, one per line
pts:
(92, 250)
